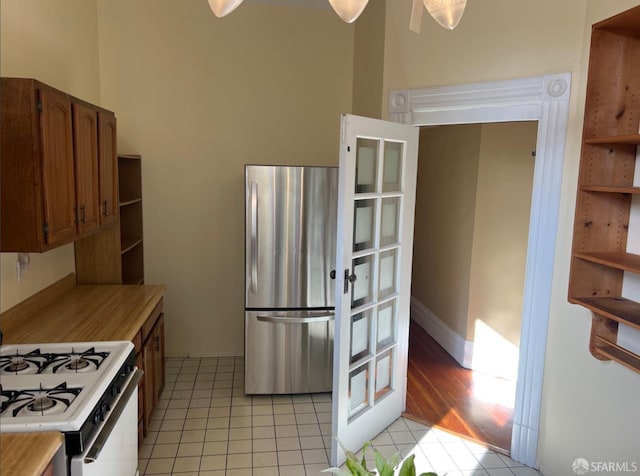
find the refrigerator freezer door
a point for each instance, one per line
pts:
(290, 224)
(288, 352)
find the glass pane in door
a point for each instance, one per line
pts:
(389, 221)
(362, 286)
(386, 324)
(366, 165)
(363, 224)
(384, 374)
(392, 170)
(387, 273)
(360, 327)
(358, 389)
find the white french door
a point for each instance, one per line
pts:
(377, 183)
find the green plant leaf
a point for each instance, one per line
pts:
(384, 466)
(338, 471)
(428, 474)
(408, 467)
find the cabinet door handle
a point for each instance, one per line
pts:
(82, 216)
(157, 343)
(104, 208)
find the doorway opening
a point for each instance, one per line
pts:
(544, 99)
(473, 202)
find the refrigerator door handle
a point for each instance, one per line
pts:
(254, 236)
(329, 316)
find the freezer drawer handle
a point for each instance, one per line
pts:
(298, 320)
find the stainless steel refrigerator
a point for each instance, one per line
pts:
(290, 233)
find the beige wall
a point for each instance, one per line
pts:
(368, 60)
(198, 97)
(448, 160)
(57, 43)
(503, 206)
(589, 407)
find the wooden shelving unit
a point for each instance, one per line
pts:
(606, 186)
(131, 236)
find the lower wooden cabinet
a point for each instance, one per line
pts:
(49, 470)
(150, 359)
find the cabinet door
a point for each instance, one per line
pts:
(148, 379)
(158, 358)
(85, 129)
(108, 172)
(57, 167)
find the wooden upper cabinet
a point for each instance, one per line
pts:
(108, 172)
(49, 172)
(57, 174)
(85, 134)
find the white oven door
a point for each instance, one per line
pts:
(114, 450)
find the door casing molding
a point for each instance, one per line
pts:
(544, 99)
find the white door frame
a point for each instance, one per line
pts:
(544, 99)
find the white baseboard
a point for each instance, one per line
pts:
(459, 348)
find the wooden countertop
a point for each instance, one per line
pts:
(66, 312)
(28, 454)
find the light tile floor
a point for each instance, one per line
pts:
(205, 425)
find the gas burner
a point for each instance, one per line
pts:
(31, 363)
(41, 404)
(76, 362)
(42, 401)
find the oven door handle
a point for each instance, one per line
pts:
(110, 423)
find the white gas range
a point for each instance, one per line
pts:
(86, 390)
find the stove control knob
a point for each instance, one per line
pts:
(104, 408)
(115, 390)
(97, 417)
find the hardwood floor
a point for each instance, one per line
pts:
(443, 394)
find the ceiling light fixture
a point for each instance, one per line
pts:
(446, 12)
(348, 10)
(223, 7)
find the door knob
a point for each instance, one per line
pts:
(348, 278)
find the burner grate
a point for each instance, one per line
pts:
(39, 401)
(37, 362)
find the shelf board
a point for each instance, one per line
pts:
(129, 243)
(632, 139)
(617, 353)
(129, 201)
(613, 259)
(610, 189)
(618, 309)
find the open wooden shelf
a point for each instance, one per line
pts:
(131, 235)
(630, 139)
(613, 259)
(618, 309)
(616, 353)
(610, 189)
(611, 135)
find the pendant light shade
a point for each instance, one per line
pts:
(223, 7)
(446, 12)
(348, 10)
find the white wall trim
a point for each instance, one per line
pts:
(459, 348)
(546, 100)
